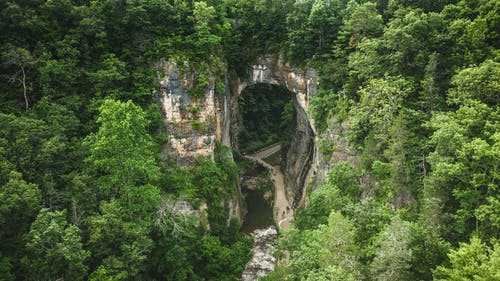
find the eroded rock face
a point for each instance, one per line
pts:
(344, 152)
(196, 124)
(193, 124)
(262, 262)
(298, 169)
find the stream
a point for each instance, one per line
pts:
(261, 220)
(260, 212)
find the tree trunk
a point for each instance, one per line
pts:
(23, 81)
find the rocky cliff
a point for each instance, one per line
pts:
(196, 123)
(302, 83)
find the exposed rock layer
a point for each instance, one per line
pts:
(191, 122)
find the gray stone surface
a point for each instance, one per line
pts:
(262, 262)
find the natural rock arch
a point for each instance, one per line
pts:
(302, 83)
(272, 70)
(218, 112)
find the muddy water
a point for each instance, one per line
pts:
(260, 212)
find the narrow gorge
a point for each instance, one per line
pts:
(235, 116)
(197, 124)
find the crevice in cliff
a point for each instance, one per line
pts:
(274, 118)
(266, 116)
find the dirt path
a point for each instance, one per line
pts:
(281, 215)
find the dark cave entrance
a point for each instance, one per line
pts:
(258, 195)
(266, 117)
(267, 112)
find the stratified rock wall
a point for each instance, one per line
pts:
(193, 124)
(298, 169)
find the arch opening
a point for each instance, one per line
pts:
(266, 113)
(266, 128)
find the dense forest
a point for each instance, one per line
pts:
(85, 194)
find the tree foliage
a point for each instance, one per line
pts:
(471, 261)
(413, 85)
(54, 249)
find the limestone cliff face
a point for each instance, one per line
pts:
(195, 124)
(263, 261)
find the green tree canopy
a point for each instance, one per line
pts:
(122, 154)
(471, 261)
(54, 249)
